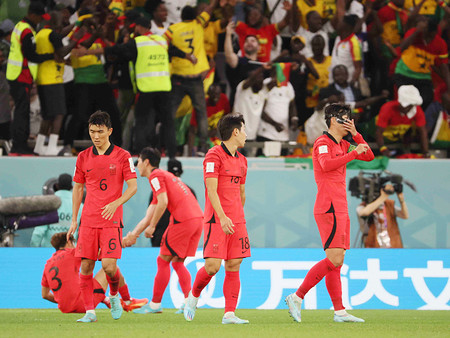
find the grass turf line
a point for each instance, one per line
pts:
(207, 323)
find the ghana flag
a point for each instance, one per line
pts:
(283, 71)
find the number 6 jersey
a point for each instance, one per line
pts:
(103, 176)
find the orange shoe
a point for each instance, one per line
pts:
(134, 304)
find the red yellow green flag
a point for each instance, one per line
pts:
(283, 71)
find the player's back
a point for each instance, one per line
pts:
(331, 186)
(61, 275)
(231, 172)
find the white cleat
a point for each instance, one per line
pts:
(294, 304)
(190, 307)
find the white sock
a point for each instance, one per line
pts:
(154, 306)
(297, 298)
(228, 314)
(341, 312)
(91, 312)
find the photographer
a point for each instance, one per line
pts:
(378, 219)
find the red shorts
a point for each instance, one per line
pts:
(334, 229)
(181, 239)
(90, 240)
(217, 244)
(99, 295)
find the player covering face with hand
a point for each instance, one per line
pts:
(181, 237)
(103, 168)
(225, 233)
(330, 155)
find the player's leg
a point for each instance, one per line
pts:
(129, 303)
(231, 288)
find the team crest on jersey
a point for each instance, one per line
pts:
(323, 149)
(112, 169)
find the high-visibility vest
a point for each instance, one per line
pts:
(50, 71)
(15, 58)
(152, 64)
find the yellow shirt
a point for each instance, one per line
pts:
(428, 7)
(211, 40)
(189, 37)
(305, 8)
(314, 85)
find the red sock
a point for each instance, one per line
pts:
(201, 280)
(184, 277)
(87, 291)
(161, 279)
(124, 293)
(114, 283)
(333, 282)
(314, 276)
(231, 287)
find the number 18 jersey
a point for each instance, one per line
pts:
(103, 176)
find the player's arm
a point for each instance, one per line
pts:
(329, 163)
(110, 208)
(242, 192)
(48, 295)
(77, 197)
(160, 207)
(367, 155)
(211, 188)
(132, 236)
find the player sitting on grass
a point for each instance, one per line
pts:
(60, 280)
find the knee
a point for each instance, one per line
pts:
(87, 267)
(212, 269)
(337, 260)
(110, 269)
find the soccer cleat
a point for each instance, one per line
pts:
(234, 320)
(134, 304)
(180, 310)
(147, 309)
(116, 307)
(347, 318)
(190, 307)
(294, 306)
(88, 318)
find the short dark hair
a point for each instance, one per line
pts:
(143, 21)
(64, 182)
(252, 36)
(188, 13)
(340, 66)
(152, 155)
(152, 5)
(100, 118)
(336, 110)
(59, 240)
(351, 20)
(228, 123)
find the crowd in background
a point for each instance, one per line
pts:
(279, 63)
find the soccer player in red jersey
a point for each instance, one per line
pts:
(181, 237)
(60, 280)
(330, 155)
(225, 232)
(102, 168)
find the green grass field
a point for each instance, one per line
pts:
(207, 323)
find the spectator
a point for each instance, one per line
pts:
(159, 13)
(188, 36)
(239, 67)
(438, 120)
(321, 64)
(149, 54)
(305, 7)
(50, 83)
(42, 235)
(5, 99)
(251, 95)
(92, 89)
(255, 24)
(421, 49)
(279, 112)
(175, 8)
(347, 48)
(21, 72)
(396, 119)
(6, 29)
(378, 220)
(315, 27)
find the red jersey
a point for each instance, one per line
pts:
(231, 172)
(182, 204)
(214, 112)
(61, 275)
(329, 162)
(104, 176)
(265, 35)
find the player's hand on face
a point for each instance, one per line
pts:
(109, 210)
(362, 148)
(149, 232)
(227, 225)
(349, 125)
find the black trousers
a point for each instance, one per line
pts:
(90, 98)
(20, 93)
(150, 106)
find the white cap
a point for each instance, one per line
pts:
(409, 95)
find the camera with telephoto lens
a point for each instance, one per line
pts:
(367, 185)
